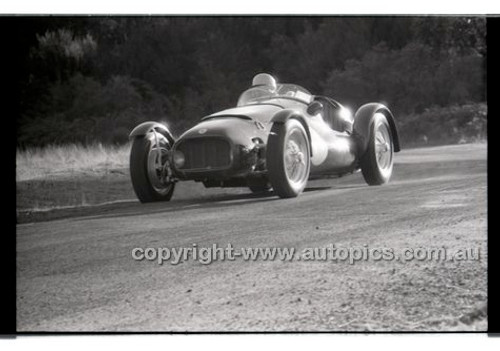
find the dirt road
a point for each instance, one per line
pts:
(78, 274)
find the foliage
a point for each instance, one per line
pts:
(89, 79)
(409, 79)
(83, 110)
(440, 125)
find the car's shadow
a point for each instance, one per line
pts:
(216, 201)
(336, 187)
(213, 202)
(134, 208)
(317, 188)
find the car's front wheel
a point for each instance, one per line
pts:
(378, 160)
(149, 168)
(288, 158)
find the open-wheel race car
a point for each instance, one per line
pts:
(277, 138)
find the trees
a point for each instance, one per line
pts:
(86, 76)
(409, 79)
(60, 54)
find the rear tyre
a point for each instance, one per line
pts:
(378, 161)
(288, 158)
(149, 168)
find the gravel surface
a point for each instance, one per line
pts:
(77, 273)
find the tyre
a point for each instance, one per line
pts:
(378, 160)
(149, 168)
(288, 158)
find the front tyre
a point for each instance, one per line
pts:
(288, 158)
(378, 160)
(149, 168)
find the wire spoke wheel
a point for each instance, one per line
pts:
(150, 168)
(288, 158)
(383, 147)
(378, 161)
(294, 159)
(158, 168)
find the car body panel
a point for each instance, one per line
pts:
(259, 112)
(231, 144)
(332, 150)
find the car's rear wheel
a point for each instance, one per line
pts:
(378, 161)
(149, 168)
(288, 158)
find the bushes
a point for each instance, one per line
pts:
(442, 125)
(93, 79)
(82, 110)
(410, 79)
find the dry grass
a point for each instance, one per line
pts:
(71, 175)
(58, 177)
(68, 160)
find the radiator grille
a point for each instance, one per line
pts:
(205, 153)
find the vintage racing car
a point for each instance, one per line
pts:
(277, 137)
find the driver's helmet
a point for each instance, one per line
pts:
(264, 80)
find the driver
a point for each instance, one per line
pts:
(263, 86)
(264, 80)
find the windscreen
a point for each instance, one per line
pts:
(260, 94)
